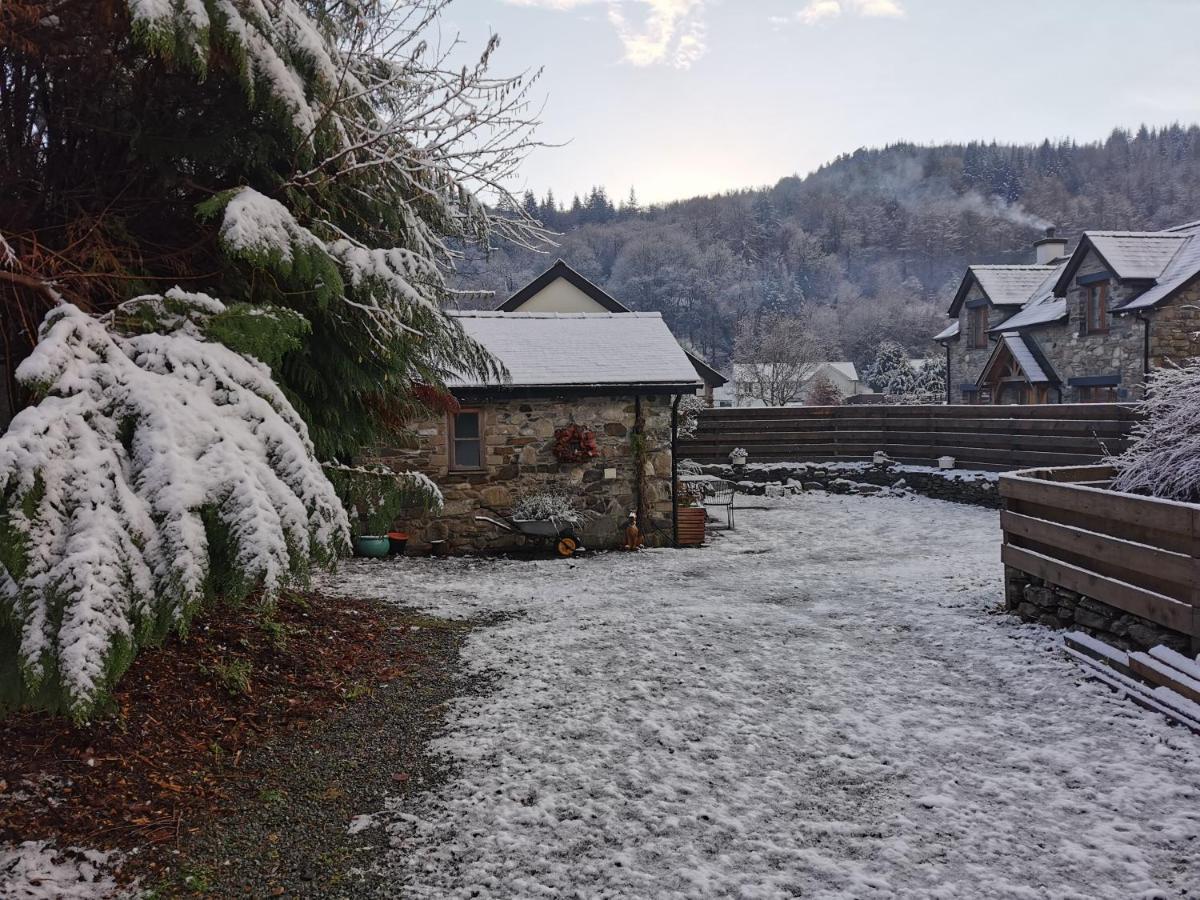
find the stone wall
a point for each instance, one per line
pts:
(518, 439)
(967, 364)
(1036, 600)
(1173, 328)
(1116, 352)
(955, 485)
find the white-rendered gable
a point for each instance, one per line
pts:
(561, 296)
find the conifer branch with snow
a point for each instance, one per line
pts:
(150, 456)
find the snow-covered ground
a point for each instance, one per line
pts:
(822, 704)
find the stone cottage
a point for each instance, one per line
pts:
(586, 410)
(561, 289)
(1082, 328)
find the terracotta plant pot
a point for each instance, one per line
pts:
(397, 541)
(691, 526)
(374, 546)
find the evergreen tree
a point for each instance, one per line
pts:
(301, 169)
(530, 206)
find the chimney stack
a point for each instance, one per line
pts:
(1049, 248)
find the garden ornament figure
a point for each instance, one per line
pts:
(633, 534)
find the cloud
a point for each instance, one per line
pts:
(652, 32)
(815, 11)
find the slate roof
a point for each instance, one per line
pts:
(580, 349)
(950, 331)
(1181, 269)
(1167, 259)
(1010, 285)
(1136, 255)
(1042, 306)
(1003, 285)
(1025, 357)
(1028, 356)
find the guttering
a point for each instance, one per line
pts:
(1145, 320)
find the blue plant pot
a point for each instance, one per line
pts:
(375, 546)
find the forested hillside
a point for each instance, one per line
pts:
(871, 245)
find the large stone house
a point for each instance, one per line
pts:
(586, 410)
(1078, 328)
(561, 289)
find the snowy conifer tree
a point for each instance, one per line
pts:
(301, 170)
(153, 452)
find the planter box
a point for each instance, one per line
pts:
(691, 526)
(1134, 555)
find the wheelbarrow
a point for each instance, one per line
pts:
(558, 533)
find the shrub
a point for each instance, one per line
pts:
(374, 496)
(1163, 459)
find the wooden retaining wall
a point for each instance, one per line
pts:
(978, 437)
(1138, 554)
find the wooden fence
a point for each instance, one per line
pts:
(979, 437)
(1138, 554)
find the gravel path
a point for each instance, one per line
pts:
(295, 837)
(825, 703)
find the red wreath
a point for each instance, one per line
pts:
(574, 444)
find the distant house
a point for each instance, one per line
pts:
(1078, 328)
(561, 289)
(607, 378)
(748, 384)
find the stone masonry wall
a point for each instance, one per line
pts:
(1036, 600)
(966, 364)
(518, 441)
(955, 485)
(1173, 328)
(1075, 355)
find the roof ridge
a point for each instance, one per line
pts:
(1030, 266)
(501, 314)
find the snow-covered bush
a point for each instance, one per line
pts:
(157, 469)
(375, 495)
(690, 406)
(546, 505)
(1163, 459)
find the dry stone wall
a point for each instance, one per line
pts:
(1037, 600)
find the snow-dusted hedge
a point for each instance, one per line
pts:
(1163, 460)
(375, 495)
(157, 470)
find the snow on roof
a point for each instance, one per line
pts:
(845, 368)
(1010, 285)
(1137, 254)
(1043, 306)
(1024, 357)
(579, 349)
(949, 331)
(1184, 266)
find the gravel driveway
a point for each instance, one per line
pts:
(824, 703)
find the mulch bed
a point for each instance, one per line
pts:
(173, 751)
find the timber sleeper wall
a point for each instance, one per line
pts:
(978, 437)
(1137, 555)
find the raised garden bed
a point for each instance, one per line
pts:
(1119, 565)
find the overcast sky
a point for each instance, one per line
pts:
(682, 97)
